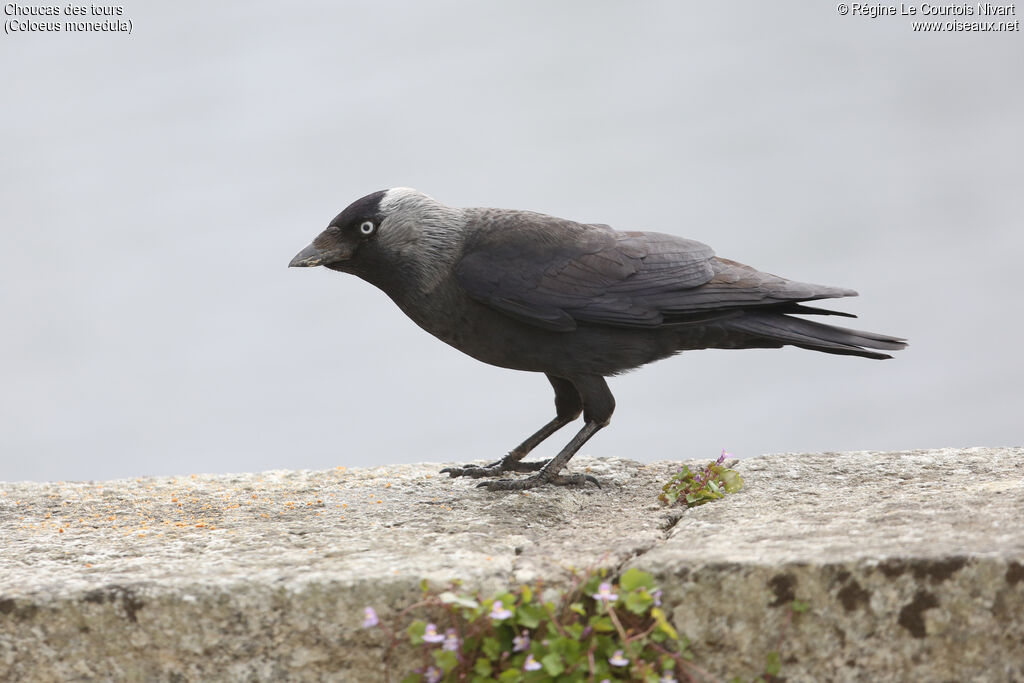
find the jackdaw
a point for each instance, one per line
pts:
(578, 302)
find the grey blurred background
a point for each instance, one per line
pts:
(155, 185)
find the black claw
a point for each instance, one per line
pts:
(494, 469)
(472, 472)
(538, 480)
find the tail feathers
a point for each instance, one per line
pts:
(796, 307)
(807, 334)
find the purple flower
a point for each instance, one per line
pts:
(617, 659)
(656, 596)
(433, 675)
(667, 678)
(431, 635)
(370, 617)
(722, 457)
(521, 642)
(498, 611)
(604, 593)
(531, 664)
(451, 640)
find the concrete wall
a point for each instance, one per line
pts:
(912, 564)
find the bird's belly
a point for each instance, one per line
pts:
(496, 339)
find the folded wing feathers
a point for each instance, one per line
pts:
(625, 279)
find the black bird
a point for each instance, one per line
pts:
(578, 302)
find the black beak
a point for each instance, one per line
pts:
(310, 256)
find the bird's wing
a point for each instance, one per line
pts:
(555, 274)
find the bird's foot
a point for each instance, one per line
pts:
(539, 480)
(495, 468)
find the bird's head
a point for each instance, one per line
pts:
(389, 233)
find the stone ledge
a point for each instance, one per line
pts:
(912, 564)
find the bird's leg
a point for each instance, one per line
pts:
(513, 461)
(548, 474)
(568, 405)
(598, 405)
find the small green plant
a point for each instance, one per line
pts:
(598, 630)
(711, 482)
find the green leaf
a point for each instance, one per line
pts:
(511, 675)
(634, 578)
(416, 630)
(659, 617)
(425, 586)
(529, 615)
(602, 624)
(491, 648)
(569, 648)
(577, 607)
(483, 666)
(592, 584)
(552, 663)
(732, 480)
(508, 601)
(527, 594)
(773, 665)
(638, 602)
(412, 678)
(446, 660)
(450, 598)
(799, 606)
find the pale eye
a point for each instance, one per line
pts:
(367, 227)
